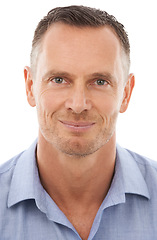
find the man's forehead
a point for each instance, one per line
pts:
(75, 43)
(67, 32)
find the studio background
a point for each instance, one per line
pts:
(136, 129)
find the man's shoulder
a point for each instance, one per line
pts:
(142, 160)
(133, 161)
(6, 172)
(10, 164)
(147, 167)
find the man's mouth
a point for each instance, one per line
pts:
(78, 126)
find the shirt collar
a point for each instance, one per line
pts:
(25, 182)
(127, 179)
(129, 172)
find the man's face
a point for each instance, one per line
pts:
(78, 88)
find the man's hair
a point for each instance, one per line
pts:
(80, 16)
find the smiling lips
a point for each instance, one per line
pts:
(78, 126)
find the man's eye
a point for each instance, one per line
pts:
(58, 80)
(100, 82)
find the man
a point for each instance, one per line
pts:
(75, 182)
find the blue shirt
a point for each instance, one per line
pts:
(128, 212)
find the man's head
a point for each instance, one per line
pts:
(80, 16)
(78, 84)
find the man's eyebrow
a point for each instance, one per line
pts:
(55, 73)
(105, 75)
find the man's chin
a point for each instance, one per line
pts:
(77, 149)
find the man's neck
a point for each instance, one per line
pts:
(68, 178)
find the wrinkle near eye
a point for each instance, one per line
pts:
(47, 89)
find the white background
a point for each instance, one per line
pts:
(136, 129)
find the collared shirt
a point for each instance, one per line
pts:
(129, 211)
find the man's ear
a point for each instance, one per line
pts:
(127, 92)
(29, 84)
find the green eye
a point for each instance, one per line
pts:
(58, 80)
(100, 82)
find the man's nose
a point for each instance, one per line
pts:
(78, 101)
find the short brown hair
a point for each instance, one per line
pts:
(80, 16)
